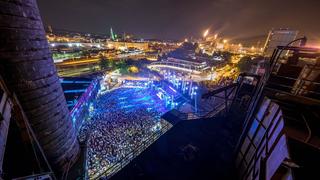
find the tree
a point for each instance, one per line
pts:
(111, 63)
(103, 63)
(122, 66)
(226, 56)
(133, 69)
(245, 64)
(92, 68)
(85, 53)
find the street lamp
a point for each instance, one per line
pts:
(195, 101)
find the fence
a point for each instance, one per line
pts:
(47, 176)
(203, 114)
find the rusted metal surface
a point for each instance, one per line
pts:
(29, 72)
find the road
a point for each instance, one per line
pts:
(78, 62)
(96, 60)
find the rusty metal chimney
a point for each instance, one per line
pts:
(30, 73)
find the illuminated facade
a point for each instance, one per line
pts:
(127, 45)
(190, 66)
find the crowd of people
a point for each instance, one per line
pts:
(121, 121)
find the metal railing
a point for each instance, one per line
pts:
(47, 176)
(203, 114)
(299, 83)
(272, 70)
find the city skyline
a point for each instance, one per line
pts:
(238, 20)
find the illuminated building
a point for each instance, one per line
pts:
(278, 37)
(127, 45)
(112, 36)
(192, 66)
(196, 63)
(67, 38)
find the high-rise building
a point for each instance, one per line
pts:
(278, 37)
(112, 35)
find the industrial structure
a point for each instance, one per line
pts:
(5, 115)
(278, 37)
(31, 83)
(280, 139)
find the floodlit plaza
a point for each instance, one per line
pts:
(123, 123)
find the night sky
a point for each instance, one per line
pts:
(176, 19)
